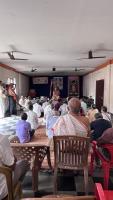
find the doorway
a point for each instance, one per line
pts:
(99, 93)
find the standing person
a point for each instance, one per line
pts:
(12, 99)
(2, 101)
(56, 93)
(7, 158)
(72, 123)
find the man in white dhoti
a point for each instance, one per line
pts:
(72, 123)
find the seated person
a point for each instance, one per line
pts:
(72, 123)
(48, 111)
(7, 159)
(91, 113)
(106, 137)
(52, 120)
(83, 106)
(105, 114)
(37, 108)
(27, 102)
(98, 126)
(32, 118)
(23, 129)
(64, 108)
(22, 101)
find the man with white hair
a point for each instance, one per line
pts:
(72, 123)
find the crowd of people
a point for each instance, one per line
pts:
(69, 116)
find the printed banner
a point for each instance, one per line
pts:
(40, 80)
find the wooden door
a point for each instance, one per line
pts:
(99, 93)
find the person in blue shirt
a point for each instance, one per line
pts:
(52, 120)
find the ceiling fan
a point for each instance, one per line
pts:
(15, 50)
(12, 57)
(90, 56)
(33, 70)
(78, 69)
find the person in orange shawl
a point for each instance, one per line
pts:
(56, 93)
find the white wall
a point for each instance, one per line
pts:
(22, 82)
(89, 85)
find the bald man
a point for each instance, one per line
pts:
(72, 123)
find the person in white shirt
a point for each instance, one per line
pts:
(37, 108)
(64, 108)
(27, 102)
(22, 101)
(32, 118)
(83, 106)
(44, 104)
(105, 114)
(48, 111)
(7, 158)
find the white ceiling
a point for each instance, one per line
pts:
(56, 33)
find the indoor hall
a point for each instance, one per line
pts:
(56, 69)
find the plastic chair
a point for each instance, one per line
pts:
(106, 163)
(71, 153)
(102, 194)
(13, 190)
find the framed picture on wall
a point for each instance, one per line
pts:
(58, 82)
(40, 80)
(73, 86)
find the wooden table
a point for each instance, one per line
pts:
(34, 152)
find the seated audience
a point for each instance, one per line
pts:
(98, 126)
(7, 159)
(105, 114)
(32, 118)
(72, 123)
(23, 129)
(64, 108)
(91, 113)
(52, 120)
(37, 108)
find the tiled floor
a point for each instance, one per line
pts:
(68, 183)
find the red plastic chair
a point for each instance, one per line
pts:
(106, 163)
(102, 194)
